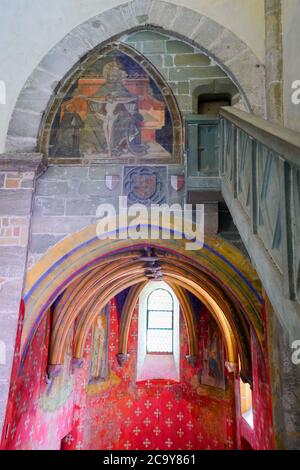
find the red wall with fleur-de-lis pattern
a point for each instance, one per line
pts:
(156, 414)
(120, 413)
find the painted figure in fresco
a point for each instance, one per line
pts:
(135, 145)
(214, 359)
(113, 111)
(108, 122)
(99, 349)
(61, 384)
(68, 134)
(212, 372)
(105, 128)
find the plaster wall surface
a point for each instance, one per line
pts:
(28, 30)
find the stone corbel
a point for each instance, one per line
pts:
(122, 358)
(77, 363)
(232, 367)
(53, 370)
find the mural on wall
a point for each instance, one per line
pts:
(153, 414)
(99, 347)
(38, 416)
(212, 371)
(60, 388)
(113, 111)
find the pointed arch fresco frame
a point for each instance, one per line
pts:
(103, 51)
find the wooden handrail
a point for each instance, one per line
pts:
(282, 141)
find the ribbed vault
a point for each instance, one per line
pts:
(86, 277)
(82, 301)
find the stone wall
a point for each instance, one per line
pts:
(17, 180)
(16, 189)
(188, 71)
(285, 380)
(274, 61)
(66, 199)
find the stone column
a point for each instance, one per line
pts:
(17, 181)
(274, 61)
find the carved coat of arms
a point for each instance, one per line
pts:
(145, 185)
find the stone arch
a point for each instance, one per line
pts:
(230, 53)
(218, 274)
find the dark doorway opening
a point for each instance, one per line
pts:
(211, 104)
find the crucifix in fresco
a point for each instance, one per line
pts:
(114, 111)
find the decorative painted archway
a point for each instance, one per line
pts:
(229, 52)
(91, 271)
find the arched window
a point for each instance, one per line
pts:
(160, 312)
(246, 403)
(158, 334)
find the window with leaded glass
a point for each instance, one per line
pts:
(160, 313)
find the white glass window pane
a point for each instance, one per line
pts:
(159, 341)
(248, 416)
(157, 319)
(160, 299)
